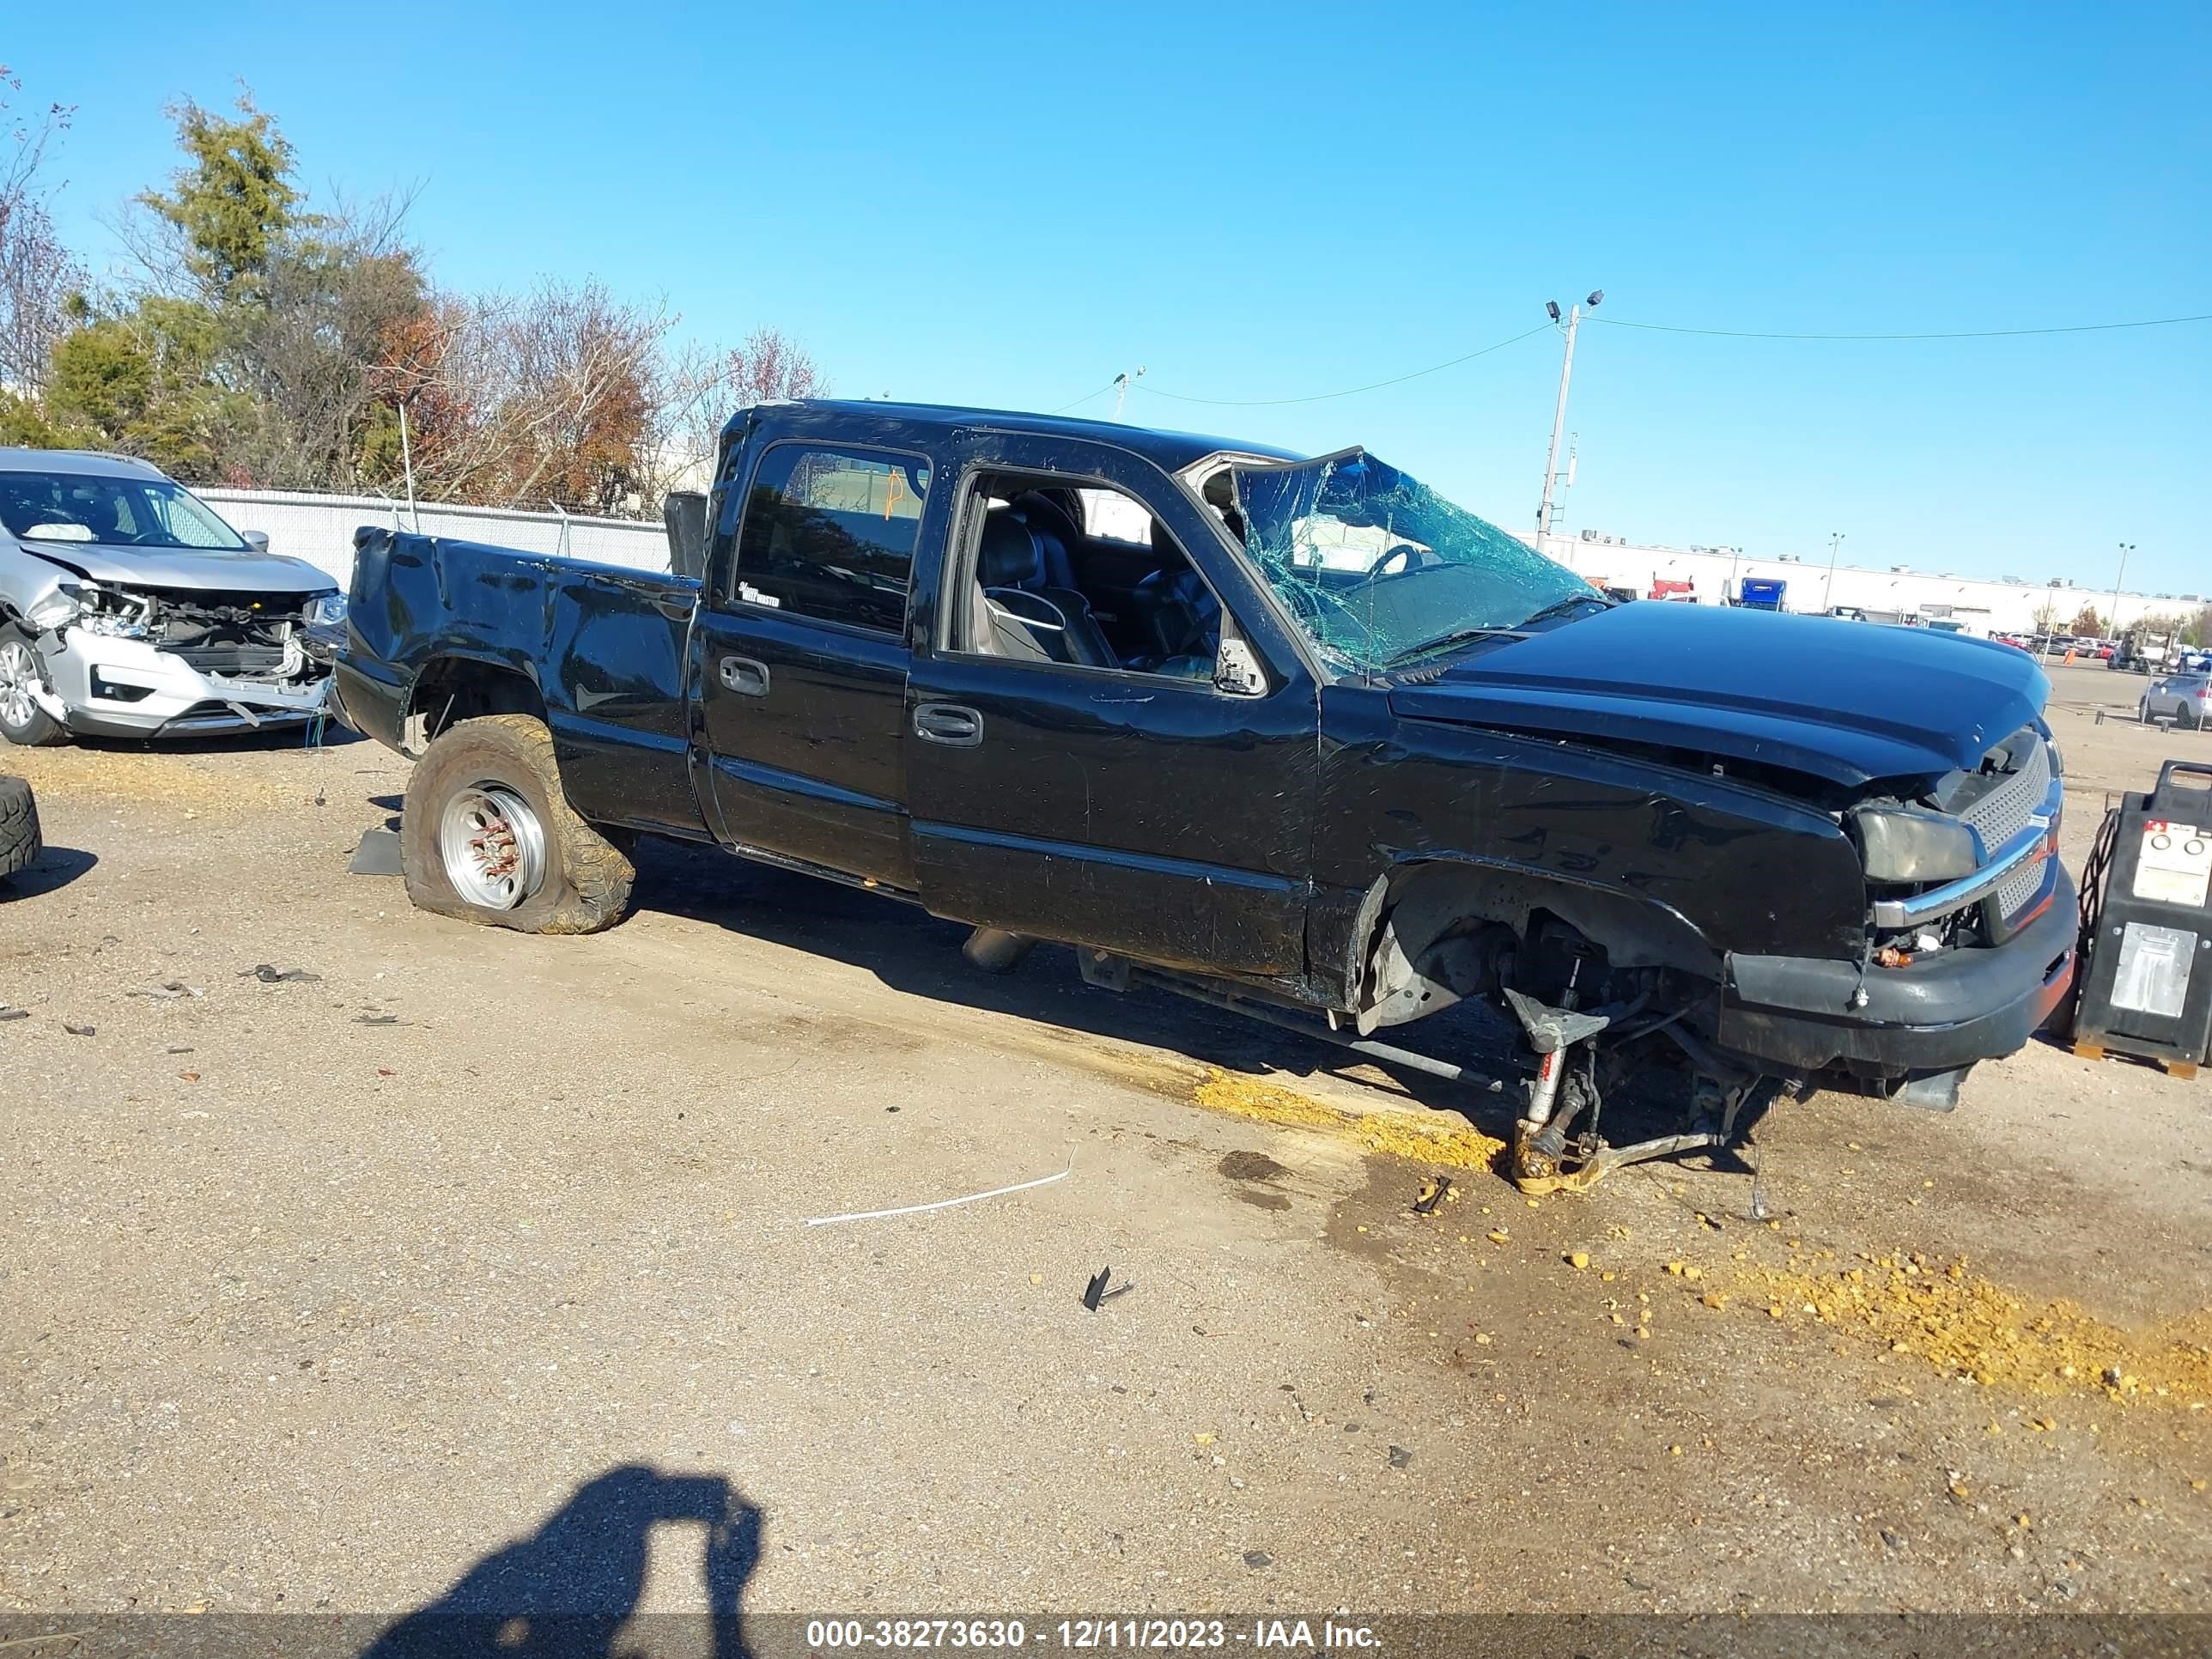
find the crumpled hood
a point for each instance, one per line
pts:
(1848, 701)
(216, 571)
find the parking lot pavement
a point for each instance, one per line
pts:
(321, 1293)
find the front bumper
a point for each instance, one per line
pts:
(1795, 1013)
(104, 687)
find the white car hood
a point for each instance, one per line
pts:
(243, 571)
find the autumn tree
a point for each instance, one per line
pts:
(2087, 621)
(267, 340)
(300, 301)
(572, 403)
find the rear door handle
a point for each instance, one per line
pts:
(948, 723)
(744, 676)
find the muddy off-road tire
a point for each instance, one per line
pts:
(19, 827)
(486, 836)
(23, 722)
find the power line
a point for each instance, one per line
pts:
(1323, 396)
(1963, 334)
(1658, 328)
(1084, 398)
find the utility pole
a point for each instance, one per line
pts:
(1560, 411)
(1828, 592)
(2126, 548)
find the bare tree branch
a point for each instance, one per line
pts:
(36, 275)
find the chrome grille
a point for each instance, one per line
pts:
(2014, 894)
(2002, 813)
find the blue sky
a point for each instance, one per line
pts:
(1006, 205)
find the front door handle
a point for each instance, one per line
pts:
(948, 723)
(744, 676)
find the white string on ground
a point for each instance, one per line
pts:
(942, 1203)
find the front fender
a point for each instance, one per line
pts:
(1684, 866)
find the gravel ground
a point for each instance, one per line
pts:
(352, 1292)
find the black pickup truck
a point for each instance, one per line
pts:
(1296, 732)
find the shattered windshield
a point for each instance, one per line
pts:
(1380, 570)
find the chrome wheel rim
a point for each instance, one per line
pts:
(493, 846)
(19, 673)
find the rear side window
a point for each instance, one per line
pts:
(830, 534)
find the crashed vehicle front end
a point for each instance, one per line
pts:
(128, 608)
(1758, 847)
(153, 662)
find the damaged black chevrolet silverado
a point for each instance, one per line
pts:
(1298, 735)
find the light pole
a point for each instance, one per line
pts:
(1560, 411)
(1121, 387)
(1828, 591)
(2126, 548)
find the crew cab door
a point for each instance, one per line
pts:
(799, 651)
(1107, 804)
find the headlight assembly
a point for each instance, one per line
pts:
(327, 610)
(1902, 844)
(94, 609)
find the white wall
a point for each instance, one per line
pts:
(1985, 606)
(320, 528)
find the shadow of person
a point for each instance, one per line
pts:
(565, 1591)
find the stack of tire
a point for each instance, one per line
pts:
(19, 827)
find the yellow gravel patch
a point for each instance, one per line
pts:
(1950, 1318)
(209, 782)
(1399, 1134)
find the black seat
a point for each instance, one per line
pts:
(1063, 533)
(1178, 619)
(1029, 618)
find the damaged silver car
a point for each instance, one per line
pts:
(128, 608)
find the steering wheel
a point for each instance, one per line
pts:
(1314, 604)
(1406, 550)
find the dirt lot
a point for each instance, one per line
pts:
(315, 1294)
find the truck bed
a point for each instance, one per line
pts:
(603, 647)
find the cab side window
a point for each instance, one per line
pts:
(1084, 576)
(829, 534)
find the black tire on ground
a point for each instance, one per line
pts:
(39, 729)
(586, 881)
(19, 827)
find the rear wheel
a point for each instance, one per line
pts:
(22, 721)
(486, 836)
